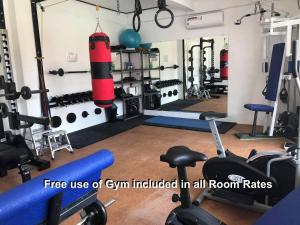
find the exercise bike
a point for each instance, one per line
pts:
(181, 157)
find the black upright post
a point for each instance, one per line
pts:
(39, 57)
(2, 17)
(185, 198)
(2, 26)
(184, 70)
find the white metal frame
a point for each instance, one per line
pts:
(273, 25)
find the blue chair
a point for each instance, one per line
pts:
(32, 203)
(272, 85)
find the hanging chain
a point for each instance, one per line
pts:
(212, 58)
(98, 19)
(42, 25)
(118, 7)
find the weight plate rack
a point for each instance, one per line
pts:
(6, 64)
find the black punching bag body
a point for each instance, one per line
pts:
(102, 80)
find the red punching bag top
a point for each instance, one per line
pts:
(100, 42)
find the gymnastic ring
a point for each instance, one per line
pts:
(136, 16)
(172, 18)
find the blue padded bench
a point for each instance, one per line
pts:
(285, 212)
(33, 204)
(272, 85)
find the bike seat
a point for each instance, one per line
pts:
(212, 115)
(182, 156)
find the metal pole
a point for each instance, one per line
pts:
(184, 70)
(214, 130)
(39, 58)
(295, 46)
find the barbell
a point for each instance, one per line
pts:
(60, 72)
(25, 92)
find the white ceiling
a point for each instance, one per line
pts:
(125, 5)
(187, 5)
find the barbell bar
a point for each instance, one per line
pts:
(60, 72)
(25, 92)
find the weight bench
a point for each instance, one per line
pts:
(285, 212)
(32, 203)
(14, 152)
(270, 94)
(15, 155)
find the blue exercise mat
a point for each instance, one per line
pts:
(187, 124)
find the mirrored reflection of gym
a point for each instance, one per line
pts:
(193, 75)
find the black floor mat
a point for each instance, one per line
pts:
(91, 135)
(179, 104)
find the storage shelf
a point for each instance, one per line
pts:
(128, 82)
(132, 51)
(151, 79)
(135, 70)
(145, 57)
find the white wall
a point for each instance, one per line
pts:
(168, 57)
(246, 81)
(64, 28)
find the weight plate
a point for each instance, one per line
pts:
(2, 82)
(3, 110)
(164, 95)
(175, 92)
(60, 72)
(85, 114)
(98, 111)
(71, 117)
(170, 93)
(97, 213)
(26, 93)
(56, 121)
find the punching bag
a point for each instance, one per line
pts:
(102, 80)
(224, 64)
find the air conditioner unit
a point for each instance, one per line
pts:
(205, 20)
